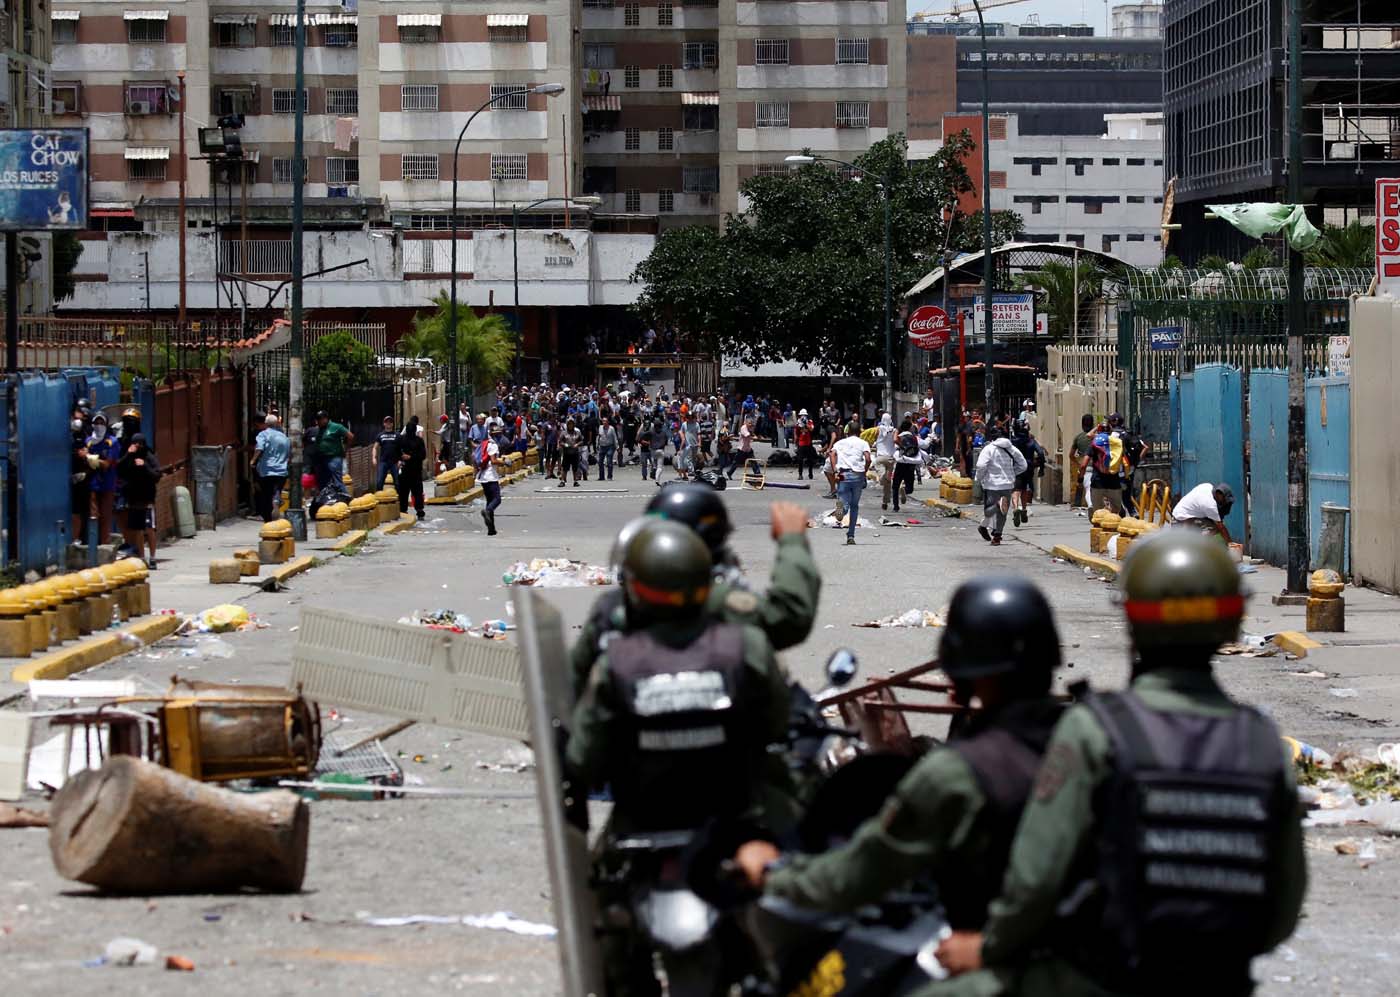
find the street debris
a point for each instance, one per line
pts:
(129, 952)
(887, 521)
(458, 623)
(220, 619)
(499, 921)
(832, 522)
(1348, 789)
(914, 618)
(179, 963)
(1308, 675)
(1343, 693)
(12, 816)
(1251, 646)
(516, 759)
(558, 572)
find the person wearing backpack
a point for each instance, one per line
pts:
(998, 466)
(908, 459)
(1162, 848)
(1107, 459)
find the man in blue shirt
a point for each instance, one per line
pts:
(270, 466)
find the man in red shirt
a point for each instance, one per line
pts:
(806, 453)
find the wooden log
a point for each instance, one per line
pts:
(135, 827)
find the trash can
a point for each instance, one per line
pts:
(207, 466)
(1332, 544)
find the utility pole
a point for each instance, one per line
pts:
(296, 513)
(12, 369)
(1298, 556)
(243, 249)
(184, 175)
(988, 263)
(146, 271)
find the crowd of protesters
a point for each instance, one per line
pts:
(112, 481)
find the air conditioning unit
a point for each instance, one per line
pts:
(138, 107)
(337, 191)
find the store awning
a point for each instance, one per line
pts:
(324, 19)
(599, 102)
(65, 15)
(285, 20)
(112, 212)
(420, 20)
(711, 98)
(507, 20)
(145, 15)
(139, 152)
(235, 18)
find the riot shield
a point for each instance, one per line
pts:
(549, 700)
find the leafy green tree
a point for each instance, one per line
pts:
(337, 365)
(485, 343)
(800, 273)
(1056, 279)
(66, 249)
(1349, 247)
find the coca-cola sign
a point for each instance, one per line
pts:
(928, 328)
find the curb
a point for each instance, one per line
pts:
(397, 526)
(944, 506)
(87, 654)
(349, 540)
(1093, 561)
(1295, 643)
(293, 567)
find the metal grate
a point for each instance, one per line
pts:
(283, 102)
(770, 51)
(510, 166)
(665, 139)
(370, 761)
(418, 97)
(665, 77)
(852, 51)
(419, 166)
(512, 96)
(344, 102)
(771, 114)
(853, 114)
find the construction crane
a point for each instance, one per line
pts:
(960, 7)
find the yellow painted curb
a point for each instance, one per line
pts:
(944, 506)
(1087, 560)
(291, 568)
(399, 525)
(350, 539)
(441, 500)
(94, 650)
(473, 494)
(1295, 643)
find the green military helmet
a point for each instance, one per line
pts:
(624, 537)
(666, 571)
(1180, 589)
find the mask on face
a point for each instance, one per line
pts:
(77, 425)
(100, 431)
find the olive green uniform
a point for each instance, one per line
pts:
(785, 613)
(1058, 825)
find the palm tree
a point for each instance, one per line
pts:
(485, 343)
(1350, 247)
(1056, 279)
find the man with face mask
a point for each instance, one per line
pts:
(80, 470)
(104, 445)
(139, 473)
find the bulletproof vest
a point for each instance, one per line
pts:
(689, 752)
(1004, 759)
(1190, 826)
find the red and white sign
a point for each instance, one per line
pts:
(1388, 237)
(928, 328)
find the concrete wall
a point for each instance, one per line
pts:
(1375, 424)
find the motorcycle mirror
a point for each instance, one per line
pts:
(842, 667)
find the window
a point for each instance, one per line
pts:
(665, 14)
(235, 35)
(1093, 207)
(852, 51)
(1137, 237)
(1156, 200)
(343, 103)
(597, 3)
(419, 166)
(1035, 163)
(282, 171)
(631, 77)
(510, 166)
(1108, 242)
(1075, 240)
(701, 55)
(853, 114)
(1156, 162)
(665, 139)
(418, 97)
(1079, 165)
(1136, 199)
(665, 201)
(147, 98)
(145, 169)
(342, 170)
(341, 35)
(514, 33)
(631, 139)
(65, 32)
(665, 77)
(770, 51)
(144, 31)
(238, 100)
(284, 35)
(632, 201)
(420, 34)
(512, 96)
(700, 179)
(284, 103)
(998, 179)
(631, 15)
(771, 114)
(1111, 162)
(599, 57)
(700, 118)
(1137, 162)
(65, 95)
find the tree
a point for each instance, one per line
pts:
(800, 273)
(485, 343)
(1349, 247)
(337, 365)
(1056, 278)
(66, 248)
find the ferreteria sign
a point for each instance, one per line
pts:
(43, 179)
(1013, 316)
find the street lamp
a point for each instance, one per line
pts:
(549, 90)
(889, 319)
(588, 200)
(988, 380)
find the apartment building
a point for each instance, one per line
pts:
(24, 103)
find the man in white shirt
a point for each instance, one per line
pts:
(885, 452)
(489, 478)
(1206, 507)
(850, 460)
(997, 467)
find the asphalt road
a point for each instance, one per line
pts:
(481, 855)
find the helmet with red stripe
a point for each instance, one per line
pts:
(666, 572)
(1180, 590)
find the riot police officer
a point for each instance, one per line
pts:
(1162, 849)
(785, 612)
(953, 816)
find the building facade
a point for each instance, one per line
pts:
(25, 98)
(1136, 20)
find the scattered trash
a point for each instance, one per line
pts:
(1308, 675)
(559, 572)
(1343, 693)
(829, 520)
(1348, 789)
(1347, 847)
(1389, 754)
(1251, 646)
(1306, 752)
(222, 619)
(12, 816)
(909, 618)
(439, 619)
(129, 952)
(213, 647)
(499, 921)
(180, 963)
(517, 759)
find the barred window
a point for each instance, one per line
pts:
(631, 139)
(510, 166)
(235, 35)
(344, 102)
(665, 76)
(633, 203)
(65, 32)
(701, 55)
(853, 114)
(599, 57)
(771, 114)
(597, 3)
(237, 100)
(665, 139)
(284, 103)
(700, 179)
(419, 166)
(421, 34)
(144, 31)
(341, 35)
(631, 77)
(770, 51)
(342, 170)
(771, 170)
(145, 169)
(631, 15)
(284, 35)
(665, 14)
(282, 171)
(418, 97)
(512, 96)
(852, 51)
(665, 200)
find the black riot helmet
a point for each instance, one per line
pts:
(666, 572)
(1000, 626)
(695, 505)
